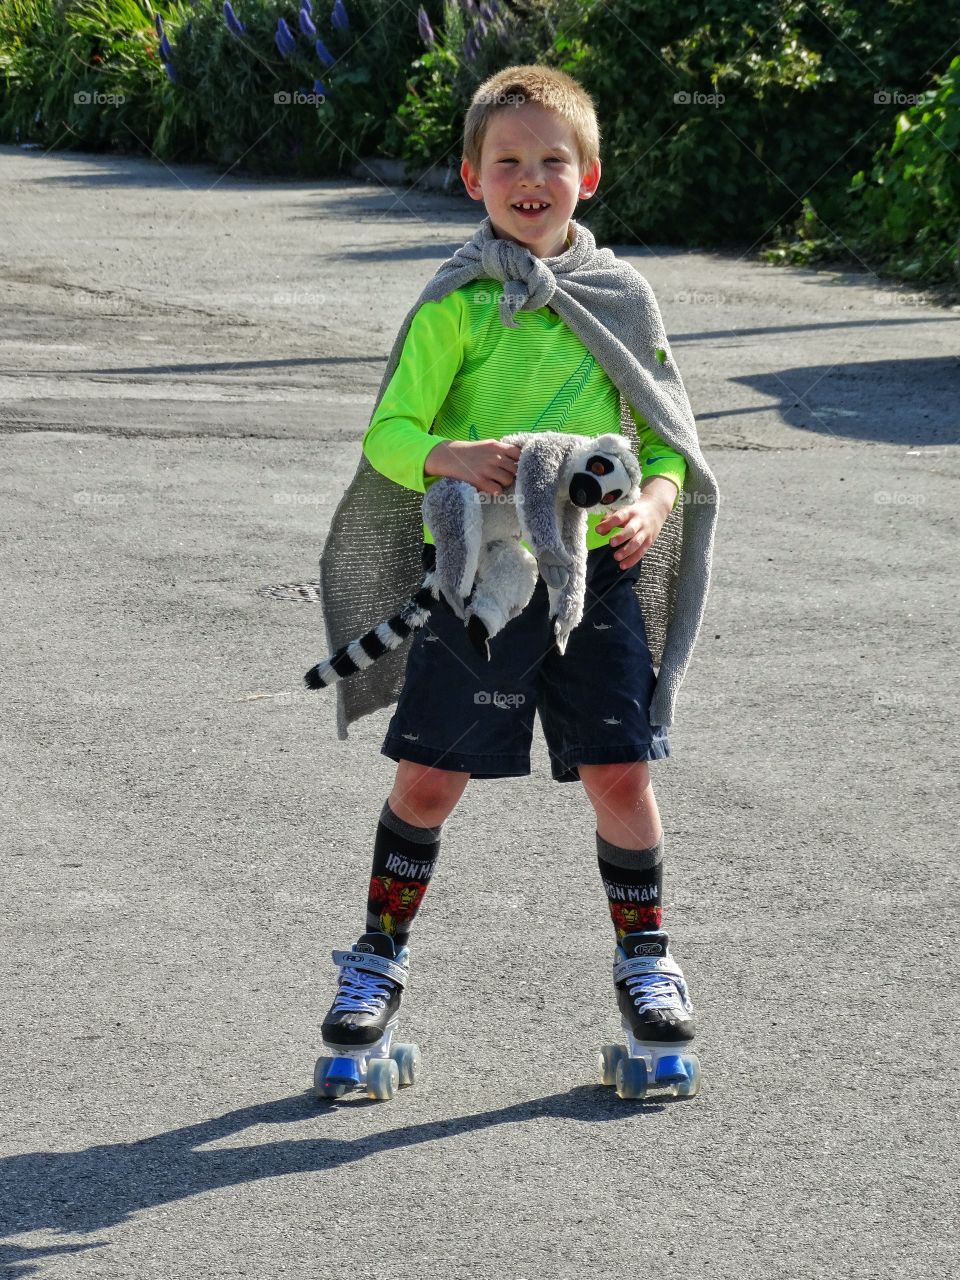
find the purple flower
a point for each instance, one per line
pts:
(284, 38)
(235, 25)
(319, 87)
(307, 5)
(170, 72)
(158, 23)
(424, 27)
(481, 29)
(166, 53)
(323, 53)
(486, 12)
(339, 17)
(469, 48)
(306, 26)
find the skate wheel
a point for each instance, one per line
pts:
(323, 1087)
(631, 1077)
(383, 1079)
(691, 1087)
(407, 1058)
(607, 1059)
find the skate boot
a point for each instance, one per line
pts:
(362, 1022)
(657, 1017)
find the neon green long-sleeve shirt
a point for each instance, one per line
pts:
(463, 375)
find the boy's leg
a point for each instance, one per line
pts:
(406, 847)
(629, 843)
(651, 991)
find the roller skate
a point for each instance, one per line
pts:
(359, 1030)
(656, 1013)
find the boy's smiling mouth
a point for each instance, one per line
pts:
(530, 208)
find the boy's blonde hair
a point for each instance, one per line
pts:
(545, 86)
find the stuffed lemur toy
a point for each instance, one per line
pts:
(482, 571)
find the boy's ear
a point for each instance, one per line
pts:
(471, 181)
(590, 181)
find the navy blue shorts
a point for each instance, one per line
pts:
(459, 712)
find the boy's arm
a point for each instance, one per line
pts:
(397, 440)
(657, 458)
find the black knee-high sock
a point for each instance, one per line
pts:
(633, 880)
(404, 857)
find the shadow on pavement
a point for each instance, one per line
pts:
(236, 366)
(905, 402)
(707, 335)
(91, 1190)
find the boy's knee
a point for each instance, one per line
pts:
(424, 795)
(614, 785)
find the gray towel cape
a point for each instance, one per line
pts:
(371, 559)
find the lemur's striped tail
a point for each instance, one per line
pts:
(373, 644)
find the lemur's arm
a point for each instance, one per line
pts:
(452, 512)
(538, 477)
(542, 486)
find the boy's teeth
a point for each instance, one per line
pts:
(531, 204)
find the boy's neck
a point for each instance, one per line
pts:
(567, 244)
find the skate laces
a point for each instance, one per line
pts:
(361, 992)
(657, 991)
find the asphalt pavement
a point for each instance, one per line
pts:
(187, 365)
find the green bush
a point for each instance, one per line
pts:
(82, 74)
(228, 97)
(238, 99)
(787, 107)
(902, 214)
(907, 206)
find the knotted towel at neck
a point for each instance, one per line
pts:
(528, 282)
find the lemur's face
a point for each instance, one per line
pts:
(602, 479)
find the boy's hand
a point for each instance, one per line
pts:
(489, 465)
(640, 523)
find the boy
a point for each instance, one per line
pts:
(469, 367)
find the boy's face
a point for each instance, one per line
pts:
(529, 153)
